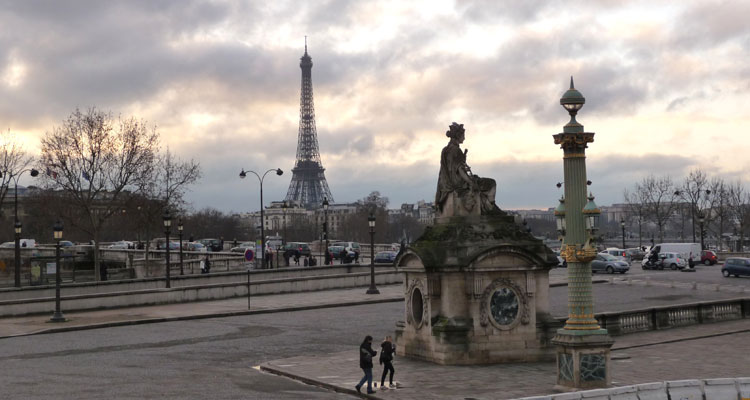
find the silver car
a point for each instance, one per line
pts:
(608, 263)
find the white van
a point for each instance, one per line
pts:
(683, 249)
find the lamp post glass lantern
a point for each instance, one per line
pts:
(371, 223)
(167, 224)
(58, 232)
(243, 175)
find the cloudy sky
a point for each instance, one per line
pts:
(667, 85)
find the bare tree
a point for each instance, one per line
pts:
(695, 190)
(636, 202)
(739, 208)
(13, 161)
(718, 210)
(659, 197)
(99, 161)
(164, 189)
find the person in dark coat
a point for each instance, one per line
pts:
(327, 258)
(386, 360)
(366, 353)
(343, 255)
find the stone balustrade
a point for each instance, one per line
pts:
(693, 389)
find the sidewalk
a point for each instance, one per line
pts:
(36, 324)
(699, 351)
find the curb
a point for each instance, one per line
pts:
(206, 316)
(265, 367)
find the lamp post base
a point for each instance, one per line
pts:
(373, 290)
(583, 359)
(57, 317)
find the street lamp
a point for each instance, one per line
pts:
(371, 223)
(581, 337)
(243, 174)
(17, 224)
(58, 315)
(701, 220)
(283, 208)
(622, 225)
(325, 228)
(179, 230)
(167, 225)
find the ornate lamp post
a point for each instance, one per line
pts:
(582, 345)
(17, 224)
(167, 224)
(371, 222)
(243, 174)
(622, 225)
(179, 232)
(325, 227)
(58, 315)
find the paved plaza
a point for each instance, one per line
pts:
(216, 349)
(705, 351)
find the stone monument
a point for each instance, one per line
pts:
(476, 284)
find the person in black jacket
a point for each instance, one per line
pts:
(386, 359)
(366, 353)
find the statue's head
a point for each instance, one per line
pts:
(456, 131)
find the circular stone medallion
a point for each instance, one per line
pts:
(504, 306)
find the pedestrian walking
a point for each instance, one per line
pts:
(327, 258)
(269, 257)
(343, 255)
(386, 360)
(296, 257)
(366, 353)
(691, 263)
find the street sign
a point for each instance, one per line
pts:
(249, 255)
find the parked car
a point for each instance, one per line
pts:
(608, 263)
(673, 260)
(22, 243)
(349, 246)
(291, 247)
(635, 253)
(385, 257)
(122, 244)
(212, 244)
(736, 266)
(66, 243)
(619, 253)
(240, 249)
(708, 257)
(195, 246)
(337, 250)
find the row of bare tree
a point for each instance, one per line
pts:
(662, 201)
(95, 165)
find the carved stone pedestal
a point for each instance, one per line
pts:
(583, 359)
(476, 290)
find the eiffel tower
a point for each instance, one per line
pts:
(308, 186)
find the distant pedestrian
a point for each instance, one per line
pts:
(327, 258)
(206, 267)
(366, 353)
(269, 257)
(386, 360)
(356, 257)
(296, 257)
(691, 263)
(343, 255)
(313, 261)
(306, 262)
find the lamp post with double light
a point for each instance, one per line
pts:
(325, 229)
(581, 343)
(179, 232)
(16, 222)
(701, 220)
(243, 174)
(371, 223)
(58, 232)
(622, 225)
(167, 227)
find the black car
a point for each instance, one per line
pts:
(385, 257)
(736, 266)
(291, 247)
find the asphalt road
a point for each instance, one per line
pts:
(198, 359)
